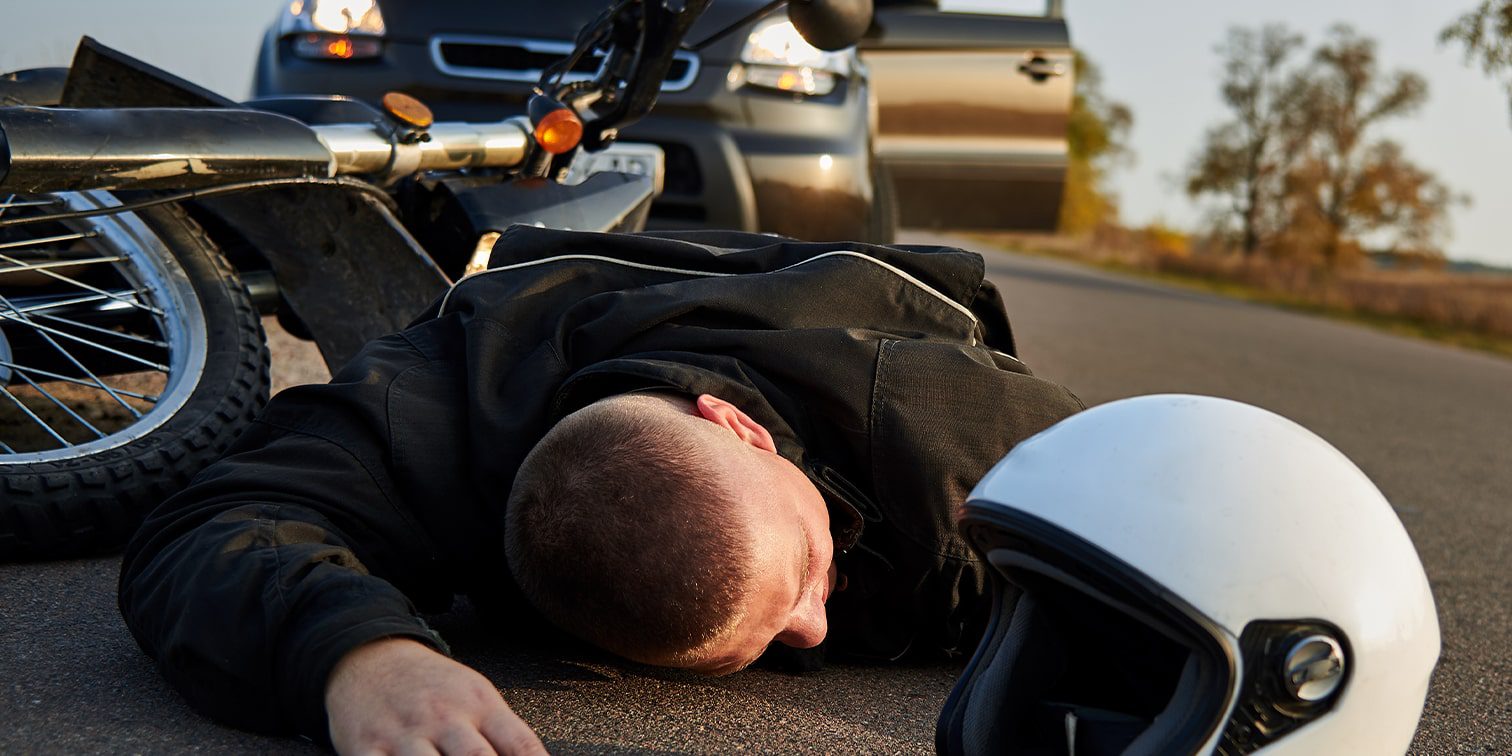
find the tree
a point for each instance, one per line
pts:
(1486, 33)
(1297, 164)
(1344, 185)
(1095, 136)
(1245, 160)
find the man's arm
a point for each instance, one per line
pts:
(289, 557)
(246, 590)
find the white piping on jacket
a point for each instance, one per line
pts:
(964, 310)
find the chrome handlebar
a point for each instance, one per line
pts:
(387, 156)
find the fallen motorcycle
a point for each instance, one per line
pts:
(146, 224)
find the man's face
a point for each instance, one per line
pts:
(788, 522)
(794, 572)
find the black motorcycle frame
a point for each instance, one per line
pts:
(191, 213)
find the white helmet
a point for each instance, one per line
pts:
(1197, 576)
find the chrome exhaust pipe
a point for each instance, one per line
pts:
(62, 149)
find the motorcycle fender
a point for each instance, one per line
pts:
(102, 77)
(343, 263)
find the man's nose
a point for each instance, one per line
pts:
(806, 627)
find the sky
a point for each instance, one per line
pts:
(1157, 56)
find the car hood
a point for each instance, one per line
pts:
(417, 20)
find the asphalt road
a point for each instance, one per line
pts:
(1432, 425)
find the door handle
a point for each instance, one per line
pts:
(1039, 69)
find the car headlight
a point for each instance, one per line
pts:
(778, 57)
(333, 29)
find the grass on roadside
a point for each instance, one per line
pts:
(1467, 310)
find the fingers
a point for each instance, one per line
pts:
(464, 741)
(404, 699)
(501, 732)
(416, 748)
(510, 735)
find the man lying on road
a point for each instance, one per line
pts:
(679, 452)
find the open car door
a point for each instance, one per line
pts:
(971, 113)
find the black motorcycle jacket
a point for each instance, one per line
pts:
(885, 373)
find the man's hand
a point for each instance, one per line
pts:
(397, 696)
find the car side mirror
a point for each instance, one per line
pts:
(831, 24)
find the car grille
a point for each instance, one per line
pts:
(523, 60)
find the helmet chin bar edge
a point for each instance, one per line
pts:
(1086, 655)
(1188, 574)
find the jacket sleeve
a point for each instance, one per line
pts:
(248, 586)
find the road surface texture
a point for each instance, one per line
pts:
(1432, 425)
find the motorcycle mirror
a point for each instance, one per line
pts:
(831, 24)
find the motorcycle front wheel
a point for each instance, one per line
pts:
(130, 357)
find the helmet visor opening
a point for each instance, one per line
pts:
(1079, 661)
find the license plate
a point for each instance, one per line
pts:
(621, 157)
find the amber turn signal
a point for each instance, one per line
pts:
(559, 131)
(557, 128)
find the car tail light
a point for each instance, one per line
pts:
(336, 46)
(333, 29)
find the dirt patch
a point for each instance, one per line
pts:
(295, 361)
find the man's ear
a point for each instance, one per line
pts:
(728, 416)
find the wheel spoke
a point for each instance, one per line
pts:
(23, 243)
(60, 264)
(87, 287)
(107, 302)
(62, 406)
(62, 303)
(75, 381)
(12, 202)
(105, 331)
(33, 416)
(161, 368)
(69, 356)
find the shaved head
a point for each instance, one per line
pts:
(668, 530)
(620, 529)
